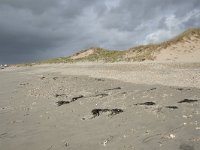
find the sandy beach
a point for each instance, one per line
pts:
(85, 106)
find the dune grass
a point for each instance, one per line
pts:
(104, 55)
(99, 54)
(56, 60)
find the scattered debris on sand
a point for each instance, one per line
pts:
(55, 78)
(60, 103)
(152, 89)
(42, 78)
(61, 95)
(76, 98)
(171, 107)
(101, 95)
(23, 84)
(111, 112)
(188, 101)
(117, 88)
(182, 89)
(146, 103)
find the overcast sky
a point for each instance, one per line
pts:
(40, 29)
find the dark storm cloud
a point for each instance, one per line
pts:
(38, 29)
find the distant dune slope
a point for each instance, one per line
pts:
(183, 48)
(186, 49)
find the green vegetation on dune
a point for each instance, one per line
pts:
(99, 54)
(56, 60)
(141, 53)
(103, 55)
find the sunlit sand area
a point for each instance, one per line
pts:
(101, 106)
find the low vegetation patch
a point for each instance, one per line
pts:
(100, 54)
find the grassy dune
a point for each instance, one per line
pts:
(139, 53)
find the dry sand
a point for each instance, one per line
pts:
(124, 106)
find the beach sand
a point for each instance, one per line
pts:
(86, 106)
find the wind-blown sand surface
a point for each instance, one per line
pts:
(120, 106)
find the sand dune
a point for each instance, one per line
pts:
(182, 48)
(186, 50)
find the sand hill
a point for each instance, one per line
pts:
(183, 48)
